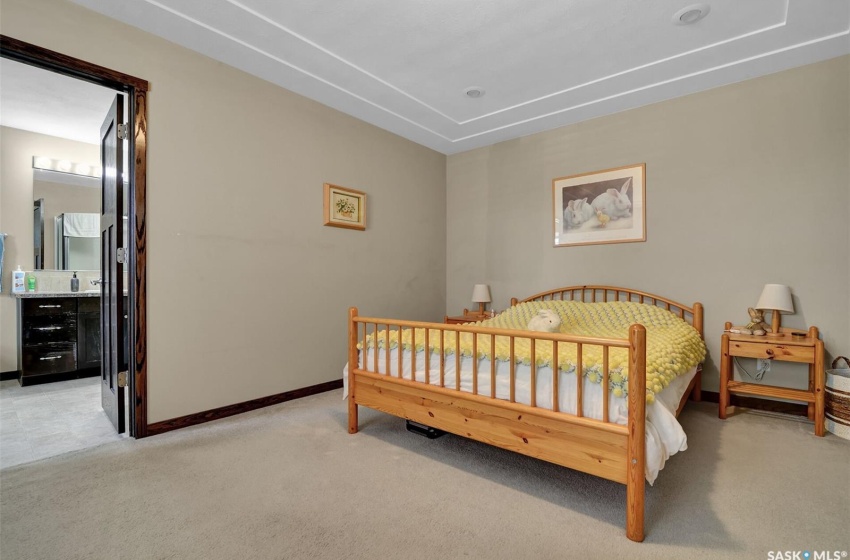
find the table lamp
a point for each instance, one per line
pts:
(776, 298)
(481, 296)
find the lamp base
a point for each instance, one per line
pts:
(775, 322)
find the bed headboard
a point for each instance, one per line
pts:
(593, 293)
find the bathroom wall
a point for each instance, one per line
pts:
(17, 147)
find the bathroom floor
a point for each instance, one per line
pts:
(42, 421)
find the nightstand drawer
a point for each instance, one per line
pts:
(769, 351)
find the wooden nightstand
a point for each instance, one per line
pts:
(467, 317)
(807, 349)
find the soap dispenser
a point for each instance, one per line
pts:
(75, 283)
(18, 281)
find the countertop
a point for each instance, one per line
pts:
(57, 294)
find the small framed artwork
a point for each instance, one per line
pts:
(345, 208)
(600, 207)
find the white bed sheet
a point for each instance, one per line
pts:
(664, 435)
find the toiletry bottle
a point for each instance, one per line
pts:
(18, 283)
(75, 283)
(31, 283)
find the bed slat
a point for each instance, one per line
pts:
(493, 365)
(375, 349)
(555, 376)
(427, 355)
(457, 360)
(474, 364)
(533, 374)
(605, 387)
(442, 358)
(398, 350)
(579, 381)
(513, 372)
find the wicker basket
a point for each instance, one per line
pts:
(837, 399)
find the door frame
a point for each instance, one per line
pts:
(136, 90)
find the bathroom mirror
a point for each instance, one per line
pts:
(69, 208)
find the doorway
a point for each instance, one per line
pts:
(133, 254)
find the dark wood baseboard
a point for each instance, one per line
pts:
(759, 404)
(239, 408)
(57, 377)
(7, 375)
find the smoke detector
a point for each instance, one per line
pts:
(691, 14)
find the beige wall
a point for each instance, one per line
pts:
(17, 147)
(746, 184)
(247, 291)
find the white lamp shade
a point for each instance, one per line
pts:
(481, 293)
(776, 297)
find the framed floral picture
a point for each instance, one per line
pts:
(345, 208)
(600, 207)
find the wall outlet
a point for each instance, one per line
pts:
(763, 365)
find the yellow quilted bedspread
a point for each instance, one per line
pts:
(673, 346)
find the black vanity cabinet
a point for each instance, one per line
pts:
(58, 338)
(88, 333)
(48, 337)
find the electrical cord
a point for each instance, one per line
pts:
(759, 373)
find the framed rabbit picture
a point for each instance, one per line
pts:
(600, 207)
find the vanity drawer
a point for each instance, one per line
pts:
(49, 358)
(45, 328)
(49, 306)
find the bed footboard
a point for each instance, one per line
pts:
(598, 447)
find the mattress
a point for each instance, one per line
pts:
(664, 435)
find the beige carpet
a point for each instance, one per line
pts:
(290, 482)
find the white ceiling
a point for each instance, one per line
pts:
(49, 103)
(403, 65)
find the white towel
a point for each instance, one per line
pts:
(82, 225)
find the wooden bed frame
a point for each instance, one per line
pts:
(598, 447)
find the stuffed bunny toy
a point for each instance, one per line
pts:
(577, 212)
(757, 321)
(613, 203)
(546, 320)
(756, 326)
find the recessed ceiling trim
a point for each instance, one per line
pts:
(632, 70)
(418, 101)
(574, 83)
(657, 84)
(293, 66)
(337, 57)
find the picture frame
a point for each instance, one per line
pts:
(607, 206)
(344, 207)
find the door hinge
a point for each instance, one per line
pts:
(121, 257)
(122, 132)
(122, 379)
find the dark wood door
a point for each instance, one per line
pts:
(112, 271)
